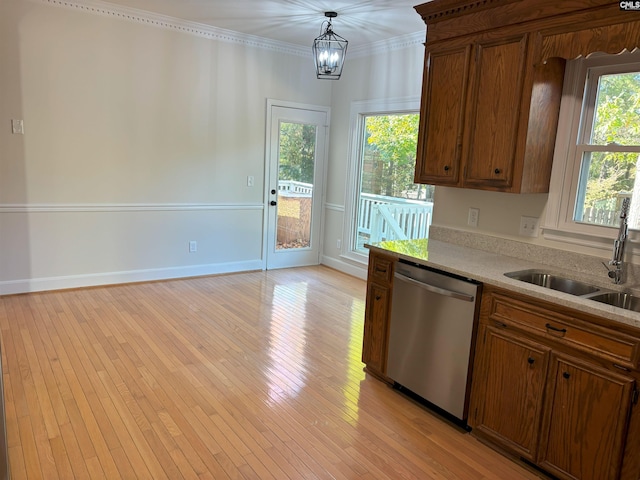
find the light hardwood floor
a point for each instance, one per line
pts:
(252, 375)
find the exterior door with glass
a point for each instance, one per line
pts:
(296, 158)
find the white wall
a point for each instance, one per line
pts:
(137, 140)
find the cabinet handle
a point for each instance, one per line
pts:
(621, 367)
(556, 329)
(446, 168)
(497, 171)
(381, 269)
(531, 360)
(566, 374)
(500, 324)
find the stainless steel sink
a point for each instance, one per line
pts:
(553, 282)
(618, 299)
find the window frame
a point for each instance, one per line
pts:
(574, 126)
(358, 113)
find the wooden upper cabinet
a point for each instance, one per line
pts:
(493, 117)
(443, 105)
(492, 85)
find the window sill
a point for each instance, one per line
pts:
(602, 244)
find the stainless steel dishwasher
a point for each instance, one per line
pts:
(433, 317)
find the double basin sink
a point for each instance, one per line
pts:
(577, 288)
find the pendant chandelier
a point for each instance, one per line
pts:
(329, 51)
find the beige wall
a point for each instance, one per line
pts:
(137, 140)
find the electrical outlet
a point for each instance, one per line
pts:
(338, 244)
(472, 219)
(529, 226)
(193, 246)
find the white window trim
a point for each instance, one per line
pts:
(558, 221)
(360, 110)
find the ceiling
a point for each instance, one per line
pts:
(295, 22)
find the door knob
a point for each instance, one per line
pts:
(273, 203)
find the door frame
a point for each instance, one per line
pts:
(267, 172)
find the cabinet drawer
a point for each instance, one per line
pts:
(380, 269)
(616, 347)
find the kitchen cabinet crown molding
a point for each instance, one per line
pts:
(453, 8)
(453, 18)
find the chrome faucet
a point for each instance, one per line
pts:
(617, 273)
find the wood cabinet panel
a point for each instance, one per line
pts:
(616, 347)
(610, 39)
(377, 311)
(380, 269)
(586, 420)
(443, 98)
(375, 341)
(510, 380)
(494, 111)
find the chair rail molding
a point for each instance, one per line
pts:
(123, 207)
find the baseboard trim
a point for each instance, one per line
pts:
(359, 271)
(12, 287)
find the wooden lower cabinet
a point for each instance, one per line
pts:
(377, 312)
(510, 379)
(374, 346)
(586, 420)
(554, 397)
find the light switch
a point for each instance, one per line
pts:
(17, 127)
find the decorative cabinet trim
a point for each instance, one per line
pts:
(458, 9)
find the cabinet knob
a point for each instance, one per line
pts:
(566, 374)
(446, 168)
(378, 297)
(497, 171)
(531, 360)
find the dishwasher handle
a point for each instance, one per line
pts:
(434, 289)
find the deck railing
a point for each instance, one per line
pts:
(391, 218)
(293, 187)
(380, 217)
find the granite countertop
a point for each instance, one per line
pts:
(489, 267)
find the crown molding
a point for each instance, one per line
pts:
(389, 45)
(142, 17)
(97, 7)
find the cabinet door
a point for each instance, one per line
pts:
(442, 115)
(376, 322)
(506, 404)
(494, 112)
(586, 420)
